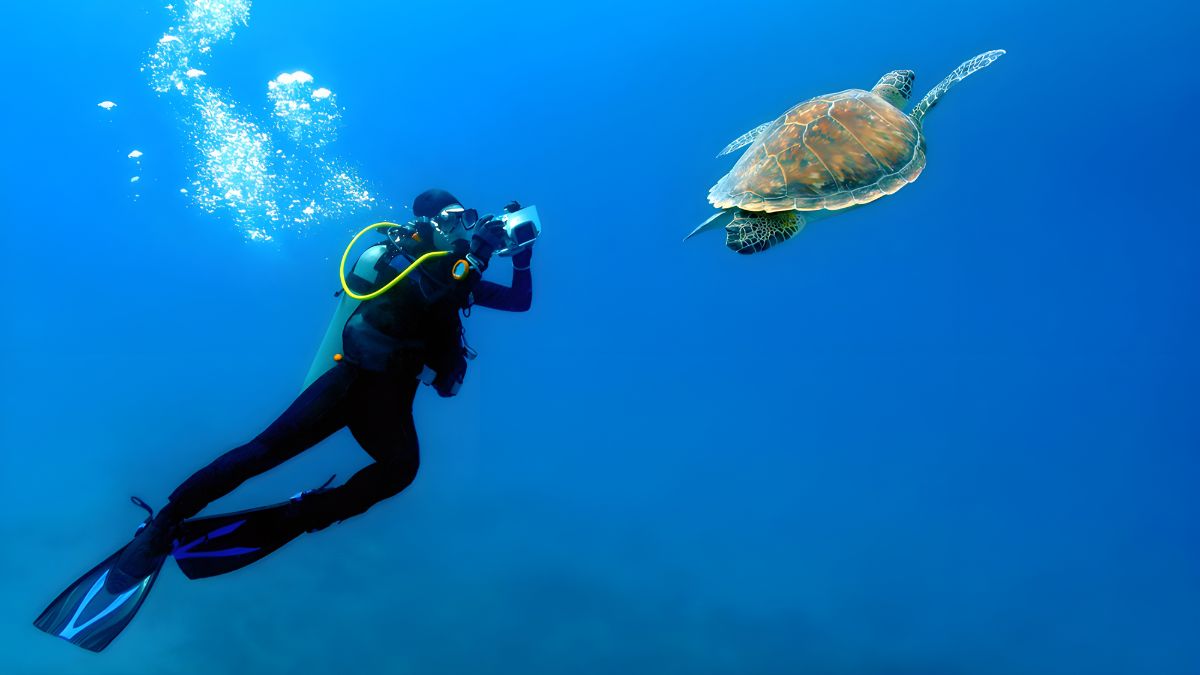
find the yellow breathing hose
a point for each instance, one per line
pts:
(415, 264)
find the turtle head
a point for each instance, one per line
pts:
(895, 87)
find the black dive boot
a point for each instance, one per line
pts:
(144, 555)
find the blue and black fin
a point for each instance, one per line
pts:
(215, 545)
(89, 613)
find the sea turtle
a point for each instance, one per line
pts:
(825, 155)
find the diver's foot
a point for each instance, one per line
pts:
(140, 558)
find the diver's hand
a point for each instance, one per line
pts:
(520, 259)
(489, 236)
(512, 207)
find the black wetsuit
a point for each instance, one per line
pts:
(375, 404)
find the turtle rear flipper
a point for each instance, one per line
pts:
(745, 139)
(756, 232)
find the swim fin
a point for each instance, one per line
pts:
(215, 545)
(90, 615)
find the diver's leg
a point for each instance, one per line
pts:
(379, 409)
(380, 417)
(318, 412)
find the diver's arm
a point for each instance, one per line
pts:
(515, 298)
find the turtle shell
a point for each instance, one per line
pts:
(829, 152)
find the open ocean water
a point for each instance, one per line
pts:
(954, 432)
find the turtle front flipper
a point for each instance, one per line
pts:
(960, 73)
(717, 220)
(752, 232)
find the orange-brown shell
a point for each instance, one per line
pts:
(830, 152)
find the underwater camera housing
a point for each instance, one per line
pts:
(521, 229)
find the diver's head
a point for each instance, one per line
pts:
(451, 220)
(430, 202)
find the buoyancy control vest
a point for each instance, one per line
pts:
(413, 329)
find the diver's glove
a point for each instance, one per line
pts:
(489, 236)
(520, 259)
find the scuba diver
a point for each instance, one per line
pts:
(398, 325)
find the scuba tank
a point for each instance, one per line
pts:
(330, 351)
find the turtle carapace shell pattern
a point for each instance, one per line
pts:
(830, 152)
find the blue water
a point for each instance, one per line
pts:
(951, 432)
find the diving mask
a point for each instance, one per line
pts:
(456, 217)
